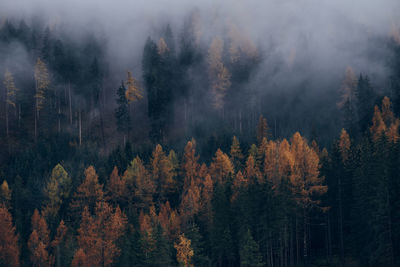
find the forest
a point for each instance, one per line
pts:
(192, 152)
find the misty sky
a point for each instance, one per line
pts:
(330, 34)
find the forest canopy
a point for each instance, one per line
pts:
(199, 136)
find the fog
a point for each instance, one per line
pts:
(305, 45)
(333, 32)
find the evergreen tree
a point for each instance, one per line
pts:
(122, 112)
(249, 252)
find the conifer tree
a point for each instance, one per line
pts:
(219, 75)
(133, 92)
(58, 242)
(98, 235)
(116, 190)
(9, 248)
(57, 191)
(236, 154)
(41, 85)
(190, 166)
(139, 181)
(249, 252)
(11, 96)
(162, 173)
(184, 251)
(5, 194)
(221, 167)
(122, 113)
(262, 129)
(38, 242)
(89, 192)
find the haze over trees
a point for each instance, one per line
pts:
(212, 149)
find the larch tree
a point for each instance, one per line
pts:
(271, 164)
(236, 154)
(378, 127)
(39, 241)
(42, 82)
(133, 91)
(9, 248)
(116, 190)
(219, 75)
(162, 173)
(184, 251)
(221, 167)
(344, 148)
(5, 194)
(307, 185)
(57, 191)
(139, 181)
(190, 204)
(89, 192)
(190, 166)
(262, 129)
(58, 242)
(348, 99)
(11, 96)
(98, 234)
(252, 172)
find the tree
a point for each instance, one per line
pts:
(236, 154)
(249, 252)
(306, 183)
(252, 172)
(162, 173)
(221, 167)
(11, 95)
(133, 92)
(58, 241)
(98, 235)
(57, 191)
(5, 194)
(116, 191)
(9, 248)
(190, 204)
(139, 181)
(190, 166)
(184, 251)
(348, 98)
(218, 74)
(122, 113)
(365, 101)
(89, 192)
(262, 129)
(42, 82)
(38, 242)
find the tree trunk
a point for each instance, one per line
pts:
(59, 116)
(297, 242)
(341, 222)
(329, 242)
(240, 121)
(36, 119)
(80, 127)
(70, 103)
(305, 246)
(7, 120)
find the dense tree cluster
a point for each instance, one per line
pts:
(93, 176)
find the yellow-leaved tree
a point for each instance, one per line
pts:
(42, 83)
(11, 96)
(219, 75)
(133, 91)
(184, 251)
